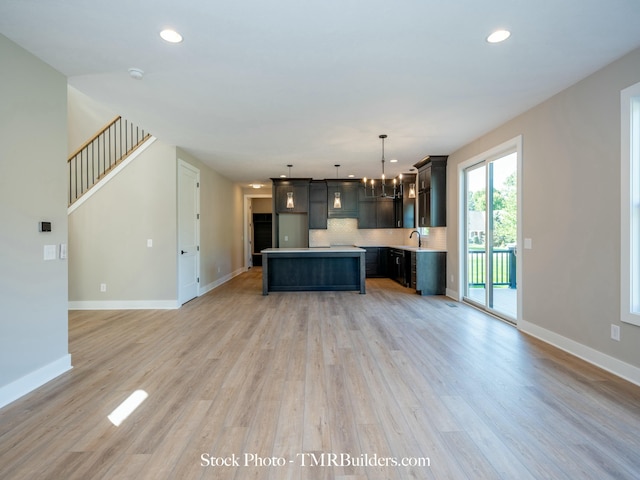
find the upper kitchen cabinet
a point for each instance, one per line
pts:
(318, 204)
(347, 193)
(375, 211)
(291, 195)
(397, 210)
(432, 191)
(367, 213)
(405, 206)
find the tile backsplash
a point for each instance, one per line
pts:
(344, 231)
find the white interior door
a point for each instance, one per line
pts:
(188, 231)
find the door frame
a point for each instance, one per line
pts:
(512, 144)
(247, 230)
(196, 170)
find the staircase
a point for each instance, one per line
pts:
(99, 156)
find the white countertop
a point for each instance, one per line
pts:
(340, 249)
(409, 248)
(415, 249)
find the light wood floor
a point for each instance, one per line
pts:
(359, 377)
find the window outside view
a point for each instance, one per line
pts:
(492, 285)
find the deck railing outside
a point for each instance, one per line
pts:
(504, 267)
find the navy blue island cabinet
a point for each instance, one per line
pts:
(303, 269)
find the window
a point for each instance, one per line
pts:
(630, 206)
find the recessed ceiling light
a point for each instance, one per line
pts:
(394, 160)
(170, 36)
(498, 36)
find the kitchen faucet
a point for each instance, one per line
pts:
(419, 238)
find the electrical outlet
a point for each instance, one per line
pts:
(615, 332)
(452, 278)
(149, 242)
(103, 287)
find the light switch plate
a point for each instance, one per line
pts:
(50, 252)
(528, 243)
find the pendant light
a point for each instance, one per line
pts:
(412, 190)
(382, 137)
(290, 204)
(337, 202)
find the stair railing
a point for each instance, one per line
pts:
(99, 155)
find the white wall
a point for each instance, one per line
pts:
(571, 211)
(221, 226)
(108, 237)
(261, 205)
(33, 292)
(85, 118)
(108, 234)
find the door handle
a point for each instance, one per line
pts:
(182, 252)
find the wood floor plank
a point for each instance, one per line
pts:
(313, 378)
(162, 461)
(506, 465)
(344, 434)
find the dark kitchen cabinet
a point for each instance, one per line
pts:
(376, 260)
(432, 191)
(375, 212)
(399, 266)
(298, 187)
(367, 213)
(428, 272)
(405, 206)
(385, 213)
(348, 192)
(318, 204)
(424, 208)
(424, 177)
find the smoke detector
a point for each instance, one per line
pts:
(136, 73)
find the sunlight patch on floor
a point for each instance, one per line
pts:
(127, 407)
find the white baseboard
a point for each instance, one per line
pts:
(146, 304)
(588, 354)
(124, 305)
(207, 288)
(33, 380)
(452, 294)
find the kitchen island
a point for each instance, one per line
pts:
(315, 268)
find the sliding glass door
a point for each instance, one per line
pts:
(491, 232)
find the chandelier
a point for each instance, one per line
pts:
(395, 190)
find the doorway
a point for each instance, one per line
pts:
(188, 231)
(491, 209)
(255, 203)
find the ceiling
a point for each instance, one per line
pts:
(257, 85)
